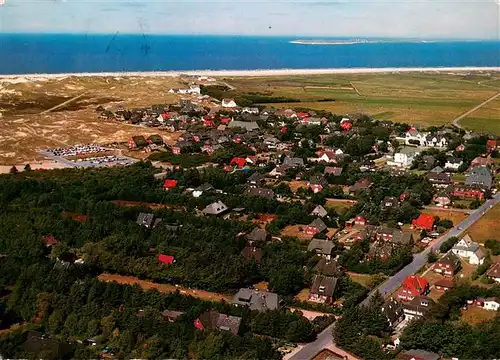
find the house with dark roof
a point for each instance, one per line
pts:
(444, 284)
(147, 220)
(322, 289)
(257, 235)
(317, 183)
(332, 171)
(203, 189)
(479, 176)
(247, 125)
(417, 307)
(328, 267)
(323, 248)
(39, 345)
(319, 211)
(256, 299)
(439, 179)
(316, 227)
(393, 311)
(360, 185)
(293, 162)
(171, 315)
(261, 192)
(213, 320)
(494, 272)
(447, 265)
(256, 179)
(216, 208)
(252, 253)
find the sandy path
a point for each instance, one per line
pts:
(163, 288)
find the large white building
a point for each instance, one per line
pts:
(467, 249)
(404, 157)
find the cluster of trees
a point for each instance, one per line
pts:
(361, 330)
(354, 259)
(69, 305)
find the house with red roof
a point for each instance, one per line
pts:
(208, 123)
(240, 162)
(166, 259)
(302, 115)
(170, 184)
(49, 240)
(413, 286)
(225, 120)
(356, 221)
(424, 222)
(346, 124)
(492, 145)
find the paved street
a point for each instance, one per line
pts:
(325, 338)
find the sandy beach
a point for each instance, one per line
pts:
(263, 72)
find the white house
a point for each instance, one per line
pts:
(228, 103)
(494, 272)
(250, 110)
(467, 249)
(434, 140)
(405, 157)
(453, 163)
(414, 137)
(492, 303)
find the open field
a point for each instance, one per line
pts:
(417, 98)
(363, 279)
(296, 231)
(485, 119)
(339, 205)
(24, 131)
(446, 214)
(488, 227)
(164, 288)
(475, 315)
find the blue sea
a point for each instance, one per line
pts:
(49, 53)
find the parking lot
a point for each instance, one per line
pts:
(64, 155)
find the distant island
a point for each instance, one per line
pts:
(354, 41)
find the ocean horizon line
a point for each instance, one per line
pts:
(286, 36)
(255, 72)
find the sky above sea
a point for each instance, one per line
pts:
(464, 19)
(75, 53)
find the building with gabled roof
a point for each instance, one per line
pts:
(257, 235)
(322, 289)
(213, 320)
(494, 272)
(393, 311)
(447, 265)
(468, 249)
(321, 247)
(316, 227)
(256, 299)
(319, 211)
(215, 208)
(328, 267)
(413, 286)
(424, 221)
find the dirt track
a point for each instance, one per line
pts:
(163, 288)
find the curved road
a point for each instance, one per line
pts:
(325, 339)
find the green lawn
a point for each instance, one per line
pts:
(417, 98)
(485, 119)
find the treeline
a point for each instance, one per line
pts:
(67, 305)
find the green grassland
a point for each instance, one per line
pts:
(417, 98)
(485, 119)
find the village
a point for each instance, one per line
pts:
(360, 198)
